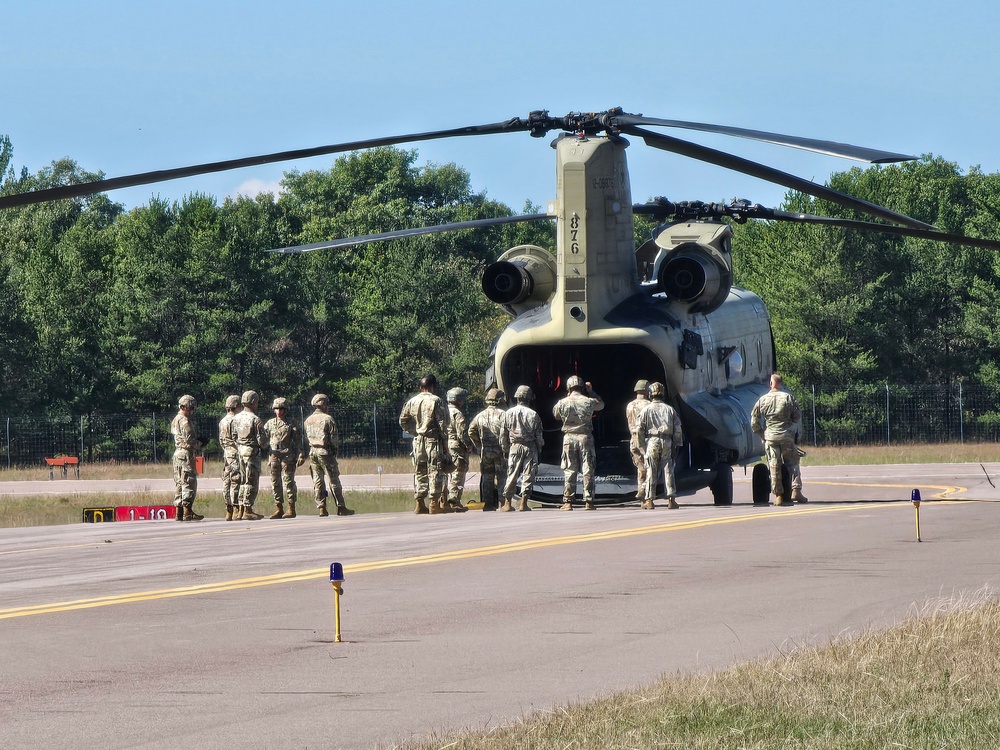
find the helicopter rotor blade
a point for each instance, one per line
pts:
(146, 178)
(741, 211)
(754, 169)
(831, 148)
(413, 232)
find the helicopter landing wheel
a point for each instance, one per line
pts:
(722, 485)
(761, 484)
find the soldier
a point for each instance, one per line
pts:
(460, 447)
(576, 412)
(324, 442)
(425, 416)
(247, 431)
(484, 433)
(775, 417)
(286, 454)
(185, 446)
(230, 462)
(659, 429)
(636, 446)
(521, 439)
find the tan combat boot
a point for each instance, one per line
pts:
(249, 515)
(524, 503)
(798, 497)
(291, 509)
(322, 510)
(780, 500)
(435, 508)
(567, 505)
(237, 512)
(420, 509)
(229, 512)
(588, 505)
(190, 515)
(279, 512)
(507, 505)
(672, 502)
(648, 505)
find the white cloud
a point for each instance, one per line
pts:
(253, 188)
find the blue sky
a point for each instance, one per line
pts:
(127, 87)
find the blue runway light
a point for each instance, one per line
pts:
(336, 572)
(915, 496)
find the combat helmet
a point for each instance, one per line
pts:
(657, 390)
(524, 393)
(280, 403)
(320, 399)
(492, 396)
(574, 381)
(249, 398)
(641, 386)
(232, 402)
(187, 401)
(456, 395)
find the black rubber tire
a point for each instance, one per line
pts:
(722, 485)
(761, 484)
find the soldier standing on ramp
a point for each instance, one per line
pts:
(324, 442)
(185, 446)
(660, 431)
(285, 455)
(636, 446)
(460, 447)
(579, 454)
(425, 416)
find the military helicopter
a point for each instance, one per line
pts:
(613, 314)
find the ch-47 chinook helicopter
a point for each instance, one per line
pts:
(602, 309)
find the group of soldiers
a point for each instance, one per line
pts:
(245, 438)
(508, 442)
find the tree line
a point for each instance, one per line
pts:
(104, 310)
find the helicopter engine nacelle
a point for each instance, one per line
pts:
(694, 265)
(521, 279)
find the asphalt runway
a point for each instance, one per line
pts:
(158, 634)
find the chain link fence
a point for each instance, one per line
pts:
(871, 415)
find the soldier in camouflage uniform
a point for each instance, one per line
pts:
(425, 416)
(285, 455)
(484, 433)
(660, 431)
(521, 439)
(324, 442)
(230, 462)
(579, 454)
(247, 431)
(460, 447)
(636, 446)
(186, 444)
(775, 417)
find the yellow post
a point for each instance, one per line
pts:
(336, 609)
(915, 498)
(337, 579)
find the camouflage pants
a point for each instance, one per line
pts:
(185, 478)
(428, 478)
(782, 453)
(456, 480)
(249, 477)
(492, 476)
(660, 462)
(323, 466)
(521, 462)
(230, 477)
(639, 461)
(283, 478)
(578, 457)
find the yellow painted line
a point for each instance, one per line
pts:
(437, 557)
